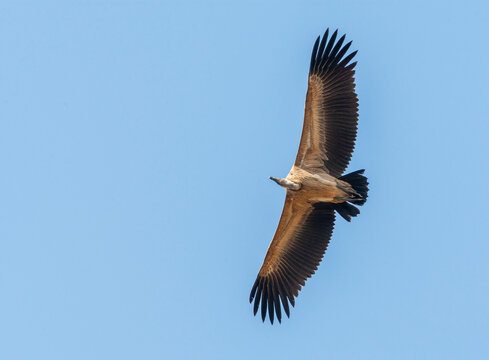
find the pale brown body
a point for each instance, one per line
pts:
(319, 186)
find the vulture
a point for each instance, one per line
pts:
(316, 188)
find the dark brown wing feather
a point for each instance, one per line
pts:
(331, 111)
(294, 254)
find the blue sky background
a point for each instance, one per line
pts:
(136, 141)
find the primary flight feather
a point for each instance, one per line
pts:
(315, 186)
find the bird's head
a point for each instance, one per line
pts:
(286, 183)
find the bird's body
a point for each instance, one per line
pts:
(316, 186)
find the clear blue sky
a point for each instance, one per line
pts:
(136, 141)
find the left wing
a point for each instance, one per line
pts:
(331, 110)
(294, 254)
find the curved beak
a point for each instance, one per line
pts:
(275, 179)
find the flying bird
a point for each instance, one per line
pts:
(316, 188)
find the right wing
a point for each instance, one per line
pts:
(293, 256)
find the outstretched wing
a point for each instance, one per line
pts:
(293, 256)
(331, 110)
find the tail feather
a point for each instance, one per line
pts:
(346, 210)
(359, 183)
